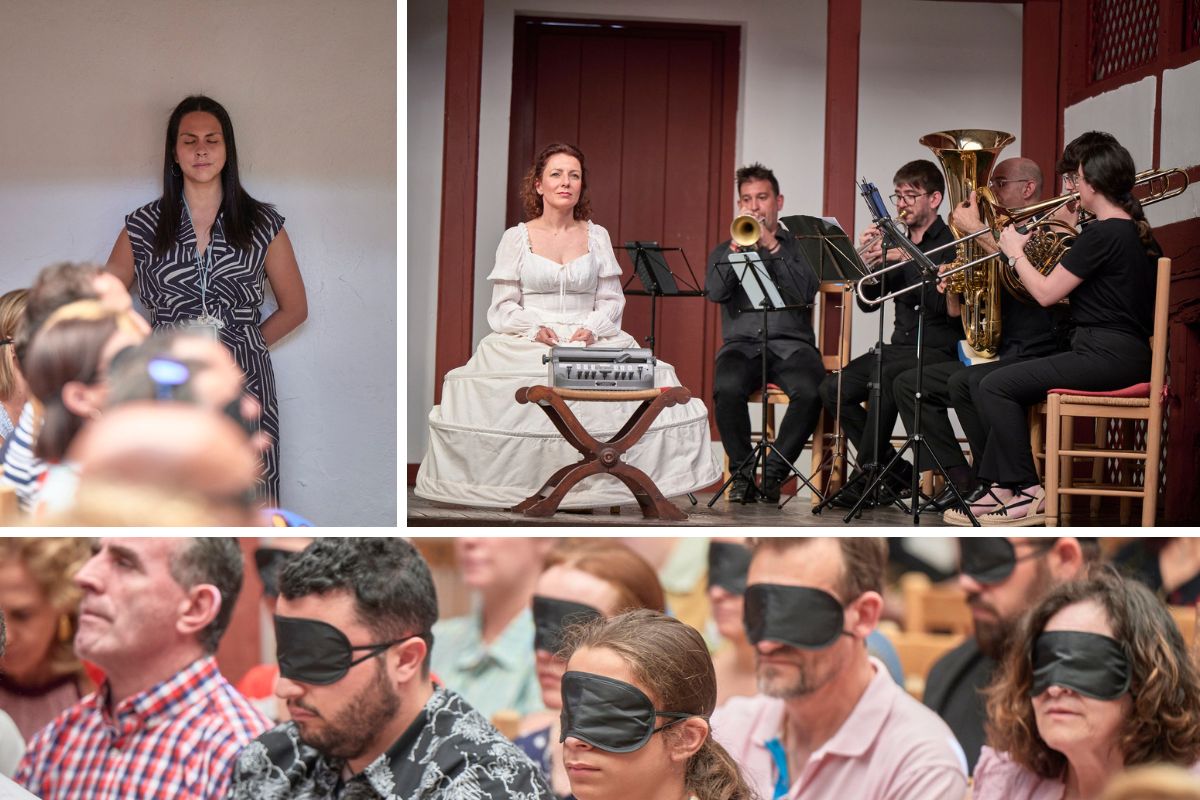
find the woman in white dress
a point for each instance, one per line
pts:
(556, 282)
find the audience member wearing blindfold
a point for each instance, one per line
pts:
(728, 562)
(1099, 679)
(830, 722)
(352, 630)
(636, 698)
(1002, 579)
(582, 580)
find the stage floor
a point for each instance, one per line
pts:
(797, 513)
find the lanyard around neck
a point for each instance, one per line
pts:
(204, 261)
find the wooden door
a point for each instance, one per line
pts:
(653, 108)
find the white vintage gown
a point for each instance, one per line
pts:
(487, 450)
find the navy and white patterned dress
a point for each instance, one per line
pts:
(169, 287)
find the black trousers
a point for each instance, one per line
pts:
(936, 427)
(738, 376)
(1099, 360)
(859, 424)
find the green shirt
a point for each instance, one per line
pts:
(491, 678)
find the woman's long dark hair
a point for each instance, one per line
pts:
(240, 210)
(1108, 167)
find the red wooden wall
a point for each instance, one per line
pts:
(653, 107)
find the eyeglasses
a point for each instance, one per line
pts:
(909, 199)
(1070, 179)
(1000, 183)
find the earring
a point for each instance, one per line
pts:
(64, 628)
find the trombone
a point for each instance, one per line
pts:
(997, 218)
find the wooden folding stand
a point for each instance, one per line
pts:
(601, 458)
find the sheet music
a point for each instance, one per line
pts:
(741, 262)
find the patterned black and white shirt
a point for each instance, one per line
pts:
(449, 752)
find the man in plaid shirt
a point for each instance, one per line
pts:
(165, 723)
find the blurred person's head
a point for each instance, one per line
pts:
(498, 564)
(582, 579)
(66, 368)
(1153, 782)
(184, 449)
(728, 564)
(153, 606)
(269, 559)
(810, 605)
(107, 504)
(41, 600)
(353, 631)
(1003, 578)
(1097, 669)
(12, 321)
(654, 669)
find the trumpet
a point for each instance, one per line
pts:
(745, 230)
(874, 240)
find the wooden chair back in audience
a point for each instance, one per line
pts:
(918, 651)
(934, 609)
(8, 505)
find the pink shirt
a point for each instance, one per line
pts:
(890, 748)
(999, 778)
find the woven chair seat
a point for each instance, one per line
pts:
(1102, 400)
(1137, 390)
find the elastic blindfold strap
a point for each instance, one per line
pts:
(728, 564)
(800, 616)
(1091, 664)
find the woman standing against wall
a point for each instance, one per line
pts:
(200, 252)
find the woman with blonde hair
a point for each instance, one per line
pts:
(40, 674)
(13, 391)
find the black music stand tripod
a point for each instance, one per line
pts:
(916, 440)
(651, 268)
(764, 295)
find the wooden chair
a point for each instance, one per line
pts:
(1185, 618)
(1141, 402)
(918, 651)
(8, 505)
(933, 609)
(832, 295)
(775, 396)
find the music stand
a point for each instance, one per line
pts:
(762, 294)
(651, 268)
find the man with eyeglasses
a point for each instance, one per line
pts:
(353, 634)
(919, 189)
(829, 721)
(1027, 332)
(1002, 579)
(165, 722)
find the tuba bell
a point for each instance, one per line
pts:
(967, 158)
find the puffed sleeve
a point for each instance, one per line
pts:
(507, 314)
(609, 306)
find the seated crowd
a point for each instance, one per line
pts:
(104, 423)
(1076, 681)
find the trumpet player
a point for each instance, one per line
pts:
(1109, 275)
(793, 362)
(919, 188)
(1028, 333)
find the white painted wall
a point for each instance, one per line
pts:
(925, 67)
(310, 86)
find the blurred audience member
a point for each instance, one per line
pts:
(581, 580)
(625, 676)
(55, 286)
(13, 391)
(484, 656)
(1097, 679)
(829, 721)
(185, 451)
(258, 684)
(680, 563)
(66, 367)
(164, 723)
(1153, 782)
(353, 632)
(41, 675)
(1002, 579)
(1168, 567)
(10, 743)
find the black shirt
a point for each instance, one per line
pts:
(953, 690)
(942, 331)
(741, 325)
(1026, 329)
(1118, 278)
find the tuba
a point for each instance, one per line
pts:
(967, 158)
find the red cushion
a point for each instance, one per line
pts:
(1137, 390)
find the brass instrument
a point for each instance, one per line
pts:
(967, 158)
(874, 240)
(745, 230)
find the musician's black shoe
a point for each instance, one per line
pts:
(742, 491)
(771, 489)
(943, 501)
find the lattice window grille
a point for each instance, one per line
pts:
(1123, 36)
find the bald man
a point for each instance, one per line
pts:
(175, 449)
(1027, 331)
